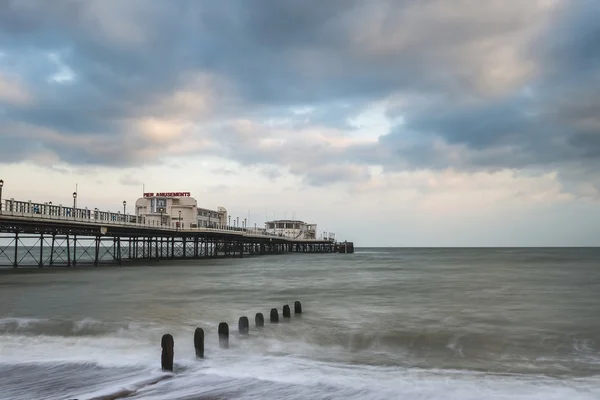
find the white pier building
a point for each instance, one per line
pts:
(177, 209)
(292, 229)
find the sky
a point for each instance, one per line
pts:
(387, 122)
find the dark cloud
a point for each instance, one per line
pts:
(478, 85)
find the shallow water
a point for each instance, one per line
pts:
(377, 324)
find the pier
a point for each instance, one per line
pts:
(45, 235)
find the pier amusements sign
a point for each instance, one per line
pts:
(168, 194)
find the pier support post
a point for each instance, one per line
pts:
(259, 320)
(74, 249)
(16, 259)
(52, 249)
(41, 263)
(297, 307)
(199, 342)
(97, 251)
(168, 350)
(119, 250)
(68, 252)
(274, 317)
(286, 311)
(224, 335)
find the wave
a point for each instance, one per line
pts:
(231, 377)
(463, 343)
(57, 327)
(456, 342)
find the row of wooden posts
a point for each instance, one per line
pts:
(168, 345)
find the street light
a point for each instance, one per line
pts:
(229, 222)
(244, 223)
(1, 184)
(161, 215)
(180, 218)
(74, 203)
(124, 206)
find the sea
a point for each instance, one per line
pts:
(382, 323)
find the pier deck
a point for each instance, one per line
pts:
(41, 235)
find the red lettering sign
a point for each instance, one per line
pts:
(168, 194)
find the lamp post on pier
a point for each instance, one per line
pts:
(74, 203)
(179, 222)
(229, 225)
(124, 206)
(244, 223)
(1, 184)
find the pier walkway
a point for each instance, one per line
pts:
(46, 235)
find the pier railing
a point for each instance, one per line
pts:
(60, 213)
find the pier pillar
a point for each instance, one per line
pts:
(16, 259)
(74, 250)
(41, 263)
(52, 249)
(119, 250)
(97, 250)
(68, 252)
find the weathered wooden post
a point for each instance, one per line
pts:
(166, 358)
(243, 325)
(259, 320)
(199, 342)
(224, 335)
(297, 307)
(274, 316)
(286, 311)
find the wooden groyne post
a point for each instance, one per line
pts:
(168, 352)
(259, 320)
(199, 342)
(224, 335)
(274, 317)
(244, 325)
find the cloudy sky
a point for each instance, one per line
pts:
(389, 122)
